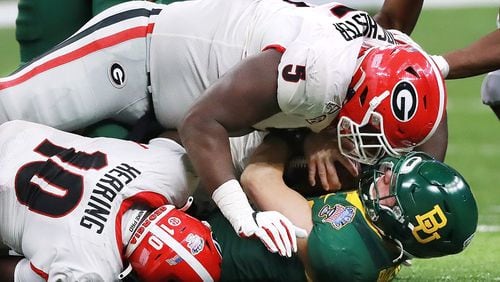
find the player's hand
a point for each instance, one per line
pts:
(321, 152)
(272, 228)
(275, 231)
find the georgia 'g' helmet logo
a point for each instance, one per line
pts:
(404, 101)
(116, 75)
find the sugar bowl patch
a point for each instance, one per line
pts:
(338, 216)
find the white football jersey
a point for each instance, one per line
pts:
(63, 196)
(140, 55)
(194, 43)
(243, 147)
(100, 72)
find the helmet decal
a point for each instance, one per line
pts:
(174, 221)
(429, 223)
(404, 101)
(195, 243)
(166, 239)
(409, 164)
(175, 260)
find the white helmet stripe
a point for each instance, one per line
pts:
(182, 252)
(132, 246)
(442, 96)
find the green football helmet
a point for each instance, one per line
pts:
(434, 212)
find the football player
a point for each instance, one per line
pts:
(234, 66)
(40, 25)
(81, 209)
(408, 207)
(259, 264)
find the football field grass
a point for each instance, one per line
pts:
(474, 142)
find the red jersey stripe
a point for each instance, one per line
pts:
(40, 272)
(276, 47)
(128, 34)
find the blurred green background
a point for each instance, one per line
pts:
(474, 141)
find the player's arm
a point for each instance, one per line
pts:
(480, 57)
(8, 267)
(242, 97)
(437, 145)
(239, 99)
(263, 182)
(399, 14)
(17, 268)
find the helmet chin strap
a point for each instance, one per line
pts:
(188, 204)
(373, 105)
(125, 272)
(404, 257)
(136, 218)
(401, 253)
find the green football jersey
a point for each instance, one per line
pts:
(342, 246)
(40, 25)
(249, 260)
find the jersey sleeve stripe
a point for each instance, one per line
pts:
(276, 47)
(40, 272)
(141, 29)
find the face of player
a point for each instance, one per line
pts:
(382, 187)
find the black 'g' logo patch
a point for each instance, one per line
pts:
(404, 101)
(117, 75)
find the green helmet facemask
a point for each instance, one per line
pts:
(433, 213)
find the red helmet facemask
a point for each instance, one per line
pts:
(170, 245)
(395, 101)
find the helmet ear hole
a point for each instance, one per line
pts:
(362, 97)
(412, 71)
(350, 94)
(445, 207)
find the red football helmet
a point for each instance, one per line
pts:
(170, 245)
(395, 101)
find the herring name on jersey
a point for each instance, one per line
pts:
(104, 193)
(63, 196)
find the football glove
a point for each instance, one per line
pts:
(275, 231)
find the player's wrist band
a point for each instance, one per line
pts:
(233, 202)
(442, 64)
